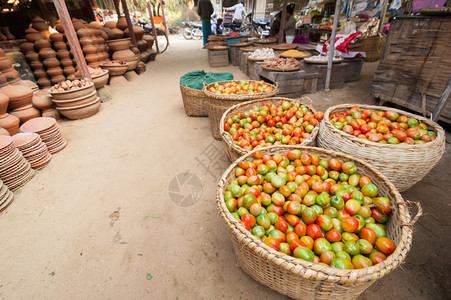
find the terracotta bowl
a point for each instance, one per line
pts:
(81, 111)
(18, 95)
(110, 24)
(120, 44)
(126, 55)
(63, 54)
(42, 44)
(58, 46)
(76, 101)
(138, 31)
(75, 93)
(115, 68)
(118, 34)
(42, 101)
(26, 47)
(51, 63)
(57, 37)
(66, 62)
(101, 80)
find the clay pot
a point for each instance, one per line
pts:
(3, 80)
(74, 93)
(42, 101)
(81, 111)
(44, 82)
(84, 41)
(42, 44)
(58, 46)
(89, 49)
(78, 25)
(126, 55)
(100, 80)
(67, 62)
(40, 74)
(5, 64)
(120, 44)
(132, 64)
(76, 101)
(4, 100)
(59, 27)
(10, 123)
(109, 32)
(36, 65)
(11, 75)
(135, 50)
(5, 30)
(117, 33)
(40, 25)
(121, 23)
(33, 37)
(47, 53)
(26, 47)
(32, 56)
(110, 25)
(95, 25)
(142, 45)
(54, 72)
(91, 58)
(57, 37)
(26, 113)
(45, 34)
(101, 48)
(63, 54)
(115, 68)
(19, 96)
(3, 131)
(51, 63)
(138, 31)
(105, 35)
(57, 79)
(69, 70)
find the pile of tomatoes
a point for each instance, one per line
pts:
(314, 209)
(289, 123)
(242, 88)
(382, 127)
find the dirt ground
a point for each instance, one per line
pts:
(107, 220)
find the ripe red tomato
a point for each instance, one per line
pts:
(314, 231)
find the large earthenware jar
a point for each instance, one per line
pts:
(121, 23)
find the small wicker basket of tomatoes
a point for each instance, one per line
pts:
(403, 146)
(224, 94)
(312, 223)
(266, 122)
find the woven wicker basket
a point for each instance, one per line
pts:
(300, 279)
(218, 104)
(235, 151)
(403, 164)
(194, 101)
(372, 46)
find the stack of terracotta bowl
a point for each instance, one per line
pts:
(41, 26)
(20, 102)
(90, 51)
(15, 170)
(33, 60)
(8, 122)
(6, 196)
(51, 63)
(122, 52)
(33, 149)
(43, 101)
(28, 83)
(63, 55)
(32, 35)
(76, 99)
(99, 42)
(48, 131)
(6, 67)
(116, 70)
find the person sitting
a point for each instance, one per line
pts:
(290, 24)
(217, 28)
(239, 12)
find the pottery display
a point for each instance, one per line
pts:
(110, 24)
(115, 68)
(95, 25)
(80, 111)
(16, 171)
(76, 101)
(18, 95)
(32, 35)
(33, 149)
(3, 131)
(137, 30)
(25, 113)
(48, 130)
(121, 23)
(119, 44)
(118, 34)
(57, 37)
(72, 89)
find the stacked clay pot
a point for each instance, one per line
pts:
(51, 63)
(122, 52)
(100, 45)
(63, 55)
(87, 44)
(36, 64)
(6, 68)
(32, 35)
(8, 122)
(20, 102)
(76, 99)
(41, 26)
(98, 75)
(42, 100)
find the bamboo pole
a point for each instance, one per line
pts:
(164, 20)
(129, 22)
(72, 38)
(154, 32)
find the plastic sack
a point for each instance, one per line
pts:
(341, 42)
(196, 79)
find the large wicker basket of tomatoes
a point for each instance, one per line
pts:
(327, 235)
(403, 146)
(266, 122)
(224, 94)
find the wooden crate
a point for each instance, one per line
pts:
(290, 83)
(218, 58)
(254, 68)
(415, 62)
(234, 54)
(244, 62)
(337, 78)
(354, 67)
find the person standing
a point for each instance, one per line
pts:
(290, 24)
(217, 28)
(239, 12)
(205, 10)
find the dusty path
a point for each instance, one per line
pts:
(98, 222)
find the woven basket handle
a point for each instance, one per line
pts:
(417, 216)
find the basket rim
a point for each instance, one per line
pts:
(187, 87)
(239, 97)
(227, 138)
(437, 128)
(310, 269)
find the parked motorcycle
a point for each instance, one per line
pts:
(192, 30)
(261, 27)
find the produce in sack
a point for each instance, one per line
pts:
(382, 127)
(242, 88)
(289, 123)
(263, 53)
(282, 63)
(314, 209)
